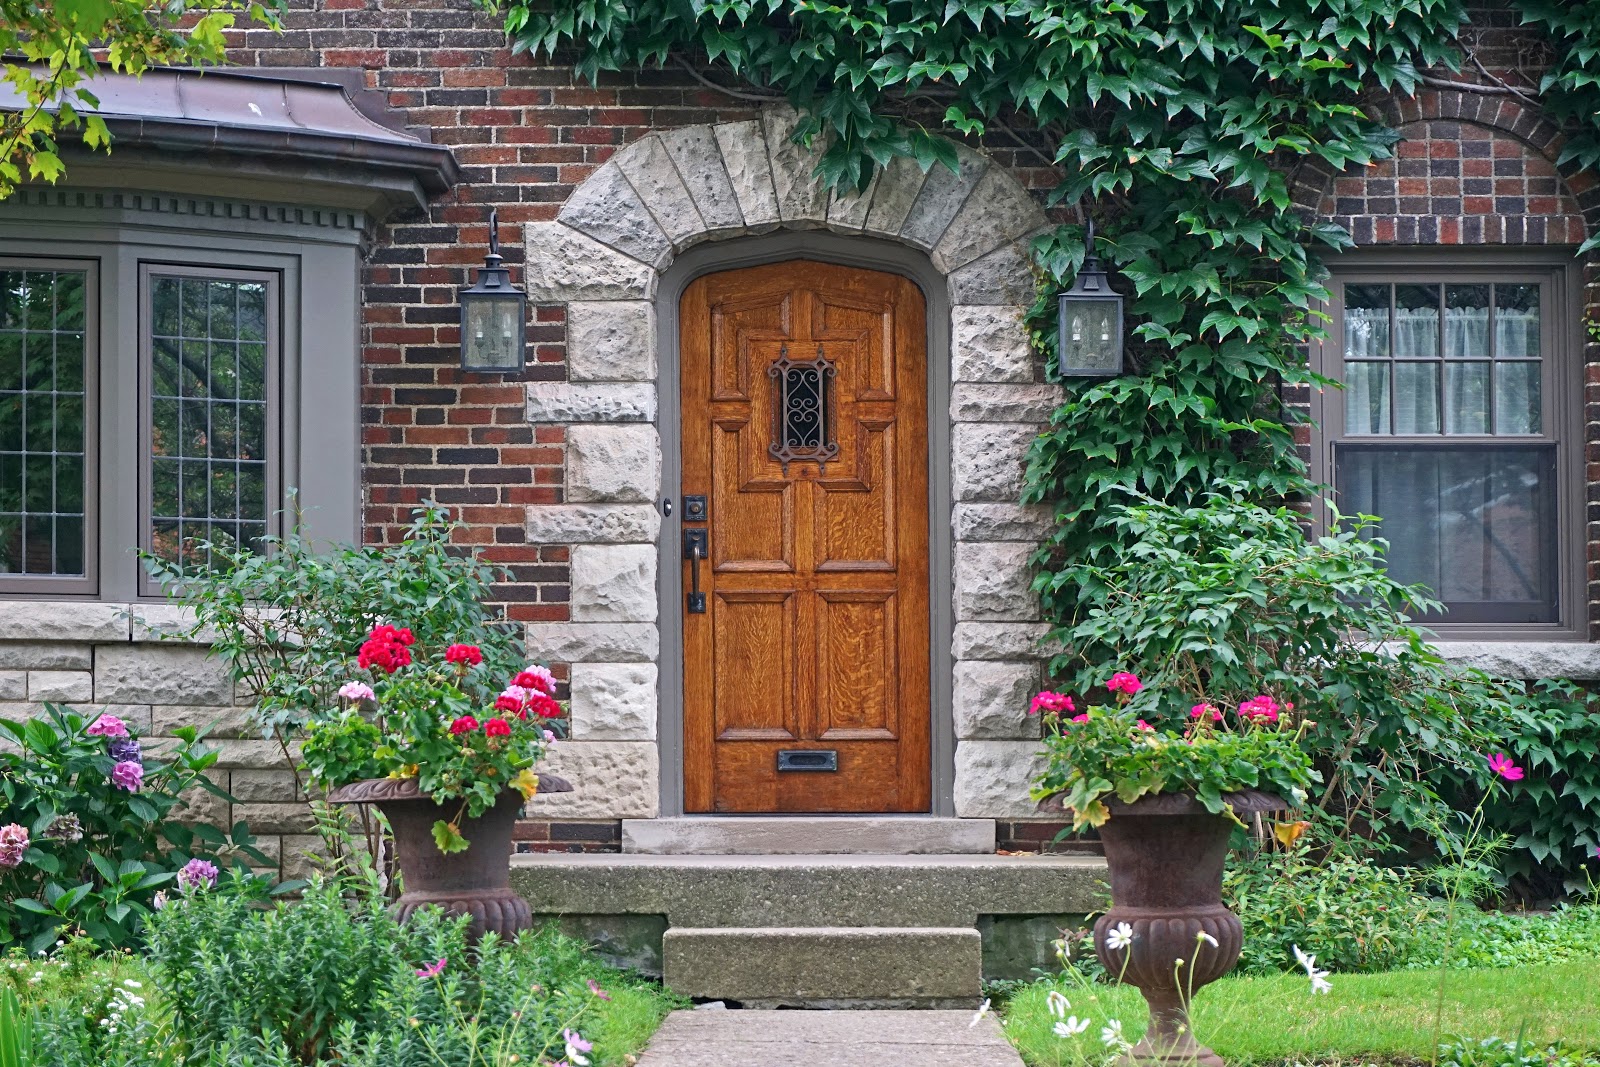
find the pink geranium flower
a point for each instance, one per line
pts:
(1144, 725)
(1081, 718)
(1050, 702)
(534, 676)
(1206, 710)
(1123, 682)
(1501, 764)
(356, 691)
(1259, 709)
(107, 726)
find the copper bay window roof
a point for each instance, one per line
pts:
(300, 124)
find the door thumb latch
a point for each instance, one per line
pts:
(695, 550)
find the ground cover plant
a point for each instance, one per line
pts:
(332, 980)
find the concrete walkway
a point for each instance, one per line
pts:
(744, 1038)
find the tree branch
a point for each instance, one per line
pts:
(737, 94)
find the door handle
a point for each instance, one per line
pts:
(694, 550)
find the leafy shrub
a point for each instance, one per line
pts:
(1354, 915)
(290, 621)
(1498, 1052)
(330, 981)
(1226, 599)
(1501, 939)
(89, 813)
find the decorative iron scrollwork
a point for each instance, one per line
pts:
(802, 411)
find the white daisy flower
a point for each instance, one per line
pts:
(1120, 937)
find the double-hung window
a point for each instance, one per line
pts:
(1457, 426)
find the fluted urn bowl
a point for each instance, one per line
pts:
(476, 882)
(1165, 854)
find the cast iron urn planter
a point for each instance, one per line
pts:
(1165, 855)
(476, 882)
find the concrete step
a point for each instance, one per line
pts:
(826, 967)
(762, 835)
(627, 905)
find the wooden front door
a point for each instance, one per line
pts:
(805, 430)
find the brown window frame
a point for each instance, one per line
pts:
(89, 581)
(1559, 275)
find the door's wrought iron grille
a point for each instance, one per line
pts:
(801, 416)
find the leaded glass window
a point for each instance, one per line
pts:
(1447, 436)
(45, 429)
(212, 361)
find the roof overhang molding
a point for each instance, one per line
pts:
(255, 135)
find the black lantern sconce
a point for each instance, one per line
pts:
(493, 316)
(1090, 338)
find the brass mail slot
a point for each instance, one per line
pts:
(807, 759)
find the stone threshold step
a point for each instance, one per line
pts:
(765, 835)
(776, 966)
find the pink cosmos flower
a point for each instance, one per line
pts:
(13, 843)
(432, 970)
(1200, 710)
(1050, 702)
(129, 775)
(107, 726)
(594, 987)
(1123, 682)
(356, 691)
(1501, 764)
(197, 873)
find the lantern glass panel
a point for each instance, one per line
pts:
(1091, 336)
(491, 333)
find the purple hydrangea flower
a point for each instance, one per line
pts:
(124, 749)
(107, 726)
(129, 775)
(197, 874)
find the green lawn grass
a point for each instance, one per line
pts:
(1382, 1017)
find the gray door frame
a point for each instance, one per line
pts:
(862, 252)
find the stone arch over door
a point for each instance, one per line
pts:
(603, 259)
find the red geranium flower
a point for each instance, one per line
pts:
(468, 654)
(497, 728)
(544, 707)
(505, 703)
(464, 725)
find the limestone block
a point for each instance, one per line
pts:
(303, 856)
(613, 702)
(744, 155)
(607, 208)
(1004, 402)
(169, 623)
(1526, 659)
(611, 402)
(847, 211)
(614, 583)
(198, 805)
(289, 818)
(13, 685)
(18, 711)
(44, 655)
(998, 640)
(993, 777)
(50, 620)
(993, 583)
(613, 464)
(999, 210)
(1002, 522)
(940, 198)
(589, 642)
(158, 674)
(61, 687)
(988, 460)
(990, 700)
(989, 343)
(651, 172)
(594, 524)
(232, 720)
(610, 779)
(893, 196)
(1001, 277)
(263, 787)
(802, 196)
(563, 264)
(137, 716)
(251, 755)
(698, 158)
(611, 341)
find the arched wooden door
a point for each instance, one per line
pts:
(806, 685)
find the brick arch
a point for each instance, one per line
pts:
(1469, 169)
